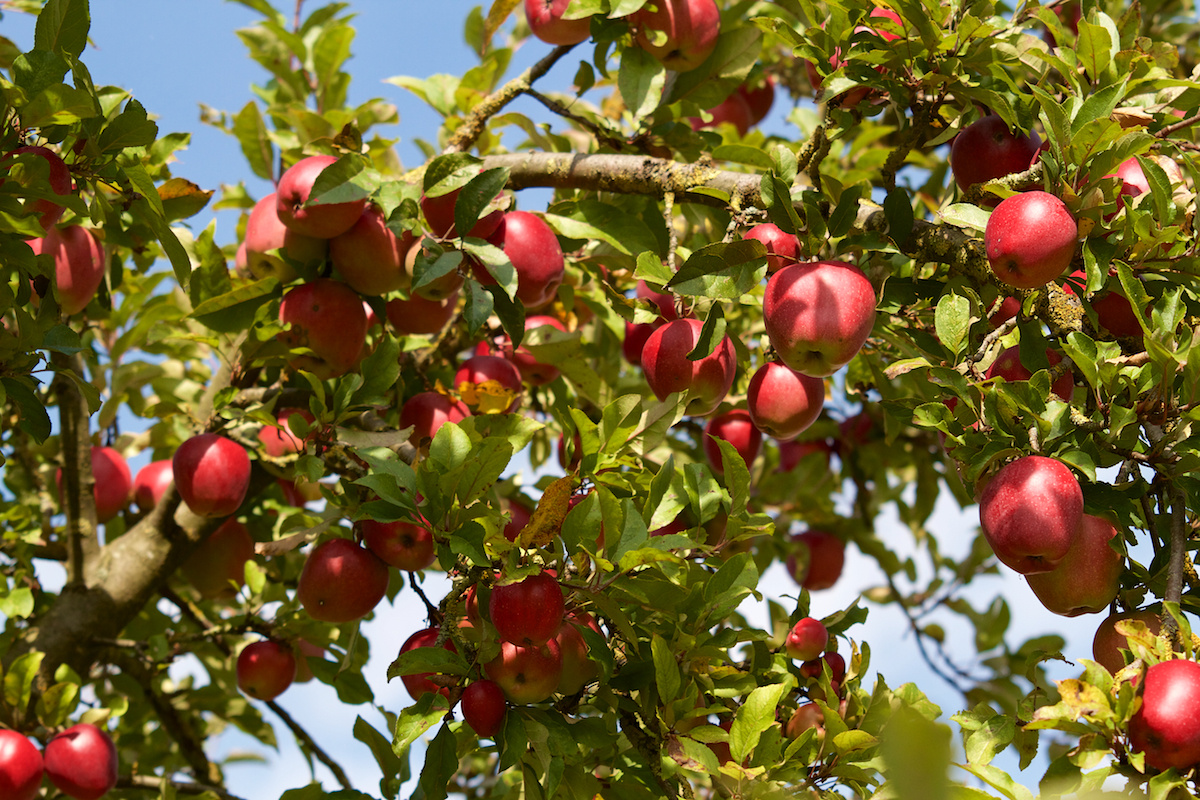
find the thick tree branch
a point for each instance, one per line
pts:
(78, 482)
(1175, 568)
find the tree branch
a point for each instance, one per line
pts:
(78, 482)
(308, 742)
(152, 783)
(1175, 569)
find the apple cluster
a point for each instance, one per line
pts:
(80, 761)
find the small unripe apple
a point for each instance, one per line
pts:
(818, 315)
(783, 248)
(528, 612)
(817, 561)
(265, 669)
(1167, 726)
(323, 221)
(483, 707)
(81, 762)
(400, 544)
(782, 402)
(1030, 512)
(21, 766)
(806, 640)
(737, 428)
(212, 474)
(1030, 239)
(341, 581)
(668, 370)
(987, 150)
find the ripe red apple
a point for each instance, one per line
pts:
(668, 370)
(418, 683)
(535, 254)
(1113, 310)
(1167, 726)
(818, 315)
(212, 474)
(577, 669)
(483, 707)
(326, 316)
(266, 234)
(1133, 179)
(446, 286)
(307, 650)
(426, 412)
(526, 674)
(791, 453)
(489, 385)
(57, 174)
(733, 109)
(1087, 579)
(20, 766)
(1008, 366)
(691, 28)
(738, 429)
(782, 402)
(265, 669)
(783, 248)
(808, 715)
(1108, 643)
(1030, 239)
(528, 612)
(79, 264)
(1009, 307)
(403, 545)
(760, 96)
(533, 372)
(279, 441)
(341, 581)
(112, 483)
(987, 150)
(439, 215)
(520, 518)
(636, 336)
(421, 316)
(81, 762)
(546, 23)
(323, 221)
(806, 640)
(837, 667)
(151, 483)
(836, 61)
(369, 257)
(217, 568)
(817, 560)
(663, 301)
(1031, 512)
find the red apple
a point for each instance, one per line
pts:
(446, 286)
(817, 560)
(760, 97)
(546, 22)
(528, 612)
(806, 640)
(402, 545)
(1009, 307)
(217, 568)
(577, 669)
(808, 715)
(1030, 239)
(668, 370)
(1087, 579)
(279, 441)
(1031, 512)
(636, 336)
(854, 96)
(212, 474)
(421, 316)
(1008, 366)
(569, 462)
(987, 150)
(326, 316)
(418, 683)
(533, 372)
(79, 264)
(690, 28)
(81, 762)
(426, 412)
(266, 234)
(520, 518)
(307, 650)
(483, 707)
(323, 221)
(526, 674)
(112, 483)
(1134, 181)
(790, 453)
(439, 214)
(818, 315)
(369, 257)
(535, 254)
(1167, 726)
(1108, 642)
(837, 667)
(1113, 310)
(265, 669)
(783, 248)
(733, 109)
(58, 178)
(782, 402)
(738, 429)
(663, 301)
(489, 385)
(341, 581)
(151, 483)
(20, 766)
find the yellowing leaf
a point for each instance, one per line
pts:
(489, 397)
(547, 519)
(497, 14)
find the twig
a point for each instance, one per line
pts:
(430, 609)
(1163, 133)
(152, 783)
(605, 136)
(307, 741)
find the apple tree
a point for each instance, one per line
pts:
(968, 274)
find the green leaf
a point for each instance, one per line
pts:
(916, 752)
(17, 603)
(131, 128)
(897, 209)
(743, 154)
(441, 762)
(381, 748)
(666, 669)
(19, 678)
(952, 320)
(640, 80)
(595, 219)
(56, 705)
(843, 216)
(446, 173)
(62, 27)
(725, 590)
(711, 334)
(476, 195)
(722, 271)
(418, 718)
(250, 129)
(1094, 48)
(35, 421)
(753, 717)
(235, 310)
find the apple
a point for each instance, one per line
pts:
(987, 150)
(112, 483)
(418, 683)
(1008, 308)
(760, 96)
(307, 650)
(483, 707)
(265, 669)
(439, 215)
(818, 315)
(402, 545)
(577, 669)
(419, 315)
(782, 402)
(341, 581)
(278, 440)
(533, 372)
(217, 568)
(1009, 367)
(1089, 575)
(569, 463)
(636, 336)
(733, 109)
(526, 674)
(81, 762)
(20, 766)
(546, 23)
(854, 96)
(79, 264)
(326, 316)
(783, 248)
(447, 285)
(668, 370)
(1167, 726)
(212, 474)
(520, 518)
(737, 428)
(151, 483)
(1031, 512)
(323, 221)
(815, 667)
(535, 254)
(1107, 644)
(791, 453)
(1030, 239)
(806, 640)
(817, 559)
(808, 715)
(1113, 310)
(427, 412)
(369, 257)
(58, 175)
(489, 385)
(1133, 178)
(266, 234)
(528, 612)
(690, 27)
